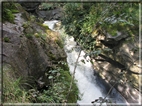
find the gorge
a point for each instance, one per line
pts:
(55, 56)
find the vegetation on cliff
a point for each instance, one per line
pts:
(39, 72)
(109, 34)
(88, 20)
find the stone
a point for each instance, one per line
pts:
(126, 56)
(30, 57)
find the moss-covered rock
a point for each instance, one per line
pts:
(33, 52)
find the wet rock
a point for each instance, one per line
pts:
(30, 6)
(121, 64)
(54, 14)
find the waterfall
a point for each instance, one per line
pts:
(83, 73)
(90, 88)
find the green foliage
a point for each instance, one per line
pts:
(51, 55)
(26, 24)
(6, 39)
(8, 10)
(45, 26)
(50, 6)
(59, 81)
(60, 43)
(66, 79)
(28, 30)
(36, 35)
(13, 92)
(32, 18)
(29, 36)
(85, 21)
(46, 6)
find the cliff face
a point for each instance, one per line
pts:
(52, 12)
(29, 47)
(34, 63)
(119, 63)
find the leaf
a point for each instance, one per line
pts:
(50, 77)
(54, 71)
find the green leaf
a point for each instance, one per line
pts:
(50, 77)
(54, 71)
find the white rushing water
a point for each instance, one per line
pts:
(84, 74)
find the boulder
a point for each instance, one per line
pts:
(54, 14)
(30, 6)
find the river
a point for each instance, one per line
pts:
(90, 85)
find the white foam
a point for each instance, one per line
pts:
(50, 24)
(84, 76)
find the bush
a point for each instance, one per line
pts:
(82, 20)
(60, 80)
(13, 92)
(8, 8)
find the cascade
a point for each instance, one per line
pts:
(90, 88)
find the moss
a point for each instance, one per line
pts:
(29, 36)
(26, 24)
(37, 35)
(60, 43)
(28, 30)
(44, 26)
(32, 18)
(43, 36)
(66, 78)
(113, 32)
(51, 55)
(6, 39)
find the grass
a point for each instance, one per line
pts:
(12, 89)
(59, 78)
(8, 11)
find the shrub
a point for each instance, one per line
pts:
(8, 8)
(59, 85)
(13, 92)
(83, 19)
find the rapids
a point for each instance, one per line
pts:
(89, 85)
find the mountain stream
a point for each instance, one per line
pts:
(90, 86)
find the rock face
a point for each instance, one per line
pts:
(30, 6)
(121, 64)
(54, 14)
(32, 52)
